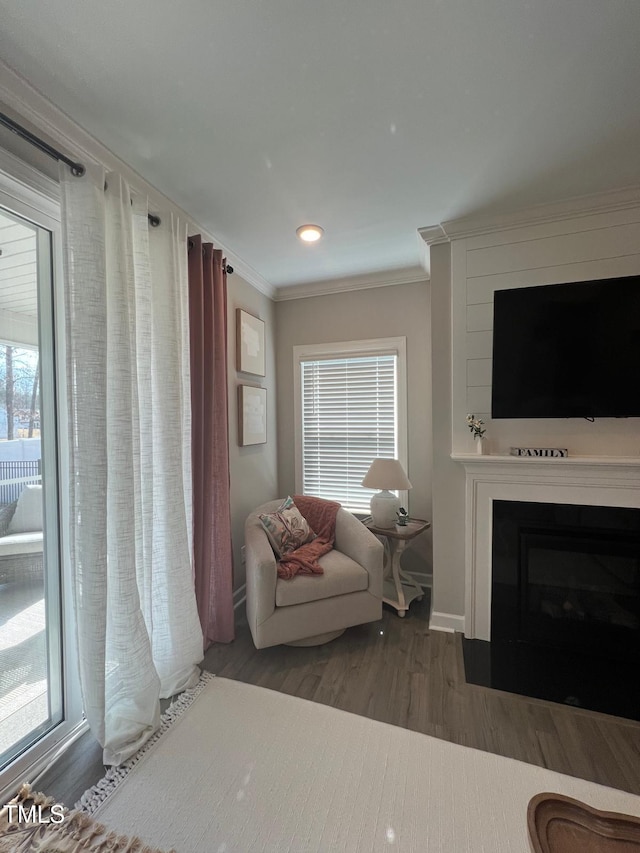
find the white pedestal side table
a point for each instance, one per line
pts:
(399, 588)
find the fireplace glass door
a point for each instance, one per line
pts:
(582, 591)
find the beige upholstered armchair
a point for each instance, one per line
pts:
(312, 609)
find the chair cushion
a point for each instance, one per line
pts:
(28, 514)
(342, 575)
(21, 543)
(286, 528)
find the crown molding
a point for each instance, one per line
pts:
(433, 234)
(30, 105)
(586, 205)
(246, 272)
(424, 254)
(384, 278)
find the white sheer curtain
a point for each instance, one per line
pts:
(139, 636)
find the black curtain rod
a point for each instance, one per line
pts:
(228, 267)
(77, 169)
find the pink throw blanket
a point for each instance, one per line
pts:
(321, 516)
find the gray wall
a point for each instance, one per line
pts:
(254, 475)
(358, 315)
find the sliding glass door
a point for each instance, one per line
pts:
(31, 671)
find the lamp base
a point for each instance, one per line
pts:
(384, 508)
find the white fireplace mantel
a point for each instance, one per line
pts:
(581, 480)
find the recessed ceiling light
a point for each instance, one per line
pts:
(309, 233)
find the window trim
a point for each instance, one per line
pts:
(30, 195)
(352, 349)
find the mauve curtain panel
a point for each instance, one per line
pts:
(212, 551)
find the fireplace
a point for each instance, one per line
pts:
(565, 605)
(567, 576)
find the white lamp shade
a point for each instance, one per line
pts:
(386, 474)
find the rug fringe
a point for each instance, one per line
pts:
(113, 778)
(76, 832)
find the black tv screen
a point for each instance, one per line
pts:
(567, 350)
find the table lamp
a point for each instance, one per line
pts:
(387, 475)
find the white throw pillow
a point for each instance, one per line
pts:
(28, 514)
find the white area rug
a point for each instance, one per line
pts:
(248, 769)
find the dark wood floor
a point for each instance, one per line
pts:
(399, 672)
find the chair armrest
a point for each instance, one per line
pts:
(261, 572)
(354, 540)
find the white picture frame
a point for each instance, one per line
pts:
(252, 415)
(249, 344)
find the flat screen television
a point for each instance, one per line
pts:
(567, 350)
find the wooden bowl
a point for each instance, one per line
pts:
(559, 824)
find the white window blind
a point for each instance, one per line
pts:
(349, 417)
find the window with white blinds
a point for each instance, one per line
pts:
(349, 414)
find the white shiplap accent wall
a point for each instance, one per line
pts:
(585, 247)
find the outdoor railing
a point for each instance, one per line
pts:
(14, 475)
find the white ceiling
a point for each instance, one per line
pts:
(369, 117)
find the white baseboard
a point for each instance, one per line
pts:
(239, 596)
(449, 622)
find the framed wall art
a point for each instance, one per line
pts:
(252, 415)
(249, 343)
